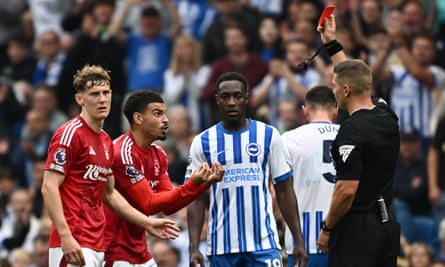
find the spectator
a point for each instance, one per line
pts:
(176, 164)
(9, 24)
(12, 113)
(214, 44)
(415, 83)
(38, 167)
(268, 7)
(148, 53)
(270, 40)
(164, 254)
(414, 20)
(297, 10)
(285, 80)
(366, 19)
(20, 64)
(183, 241)
(180, 130)
(238, 59)
(185, 79)
(50, 59)
(34, 140)
(44, 99)
(19, 227)
(196, 16)
(20, 258)
(290, 115)
(420, 255)
(7, 186)
(411, 203)
(48, 14)
(304, 30)
(40, 252)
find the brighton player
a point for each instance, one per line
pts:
(78, 179)
(140, 170)
(242, 229)
(308, 151)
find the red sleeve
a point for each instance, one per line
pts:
(145, 200)
(60, 156)
(165, 183)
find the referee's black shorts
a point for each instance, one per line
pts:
(361, 240)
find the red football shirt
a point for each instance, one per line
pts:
(141, 176)
(84, 157)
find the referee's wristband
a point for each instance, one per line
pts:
(324, 227)
(333, 47)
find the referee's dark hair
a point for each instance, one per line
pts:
(232, 76)
(138, 101)
(320, 97)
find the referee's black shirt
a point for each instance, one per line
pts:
(366, 149)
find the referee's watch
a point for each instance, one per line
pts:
(324, 227)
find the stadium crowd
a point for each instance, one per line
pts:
(179, 48)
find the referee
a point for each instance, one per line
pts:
(360, 228)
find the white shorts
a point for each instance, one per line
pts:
(92, 258)
(150, 263)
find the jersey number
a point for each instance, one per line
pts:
(327, 158)
(273, 263)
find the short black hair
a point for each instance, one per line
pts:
(321, 96)
(232, 76)
(150, 11)
(138, 101)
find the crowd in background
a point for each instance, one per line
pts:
(179, 48)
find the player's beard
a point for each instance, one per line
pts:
(162, 137)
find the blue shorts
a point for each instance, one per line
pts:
(315, 260)
(263, 258)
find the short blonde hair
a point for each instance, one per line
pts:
(89, 76)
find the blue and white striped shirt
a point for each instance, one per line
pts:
(241, 216)
(412, 101)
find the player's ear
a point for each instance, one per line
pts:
(78, 99)
(305, 111)
(137, 118)
(347, 90)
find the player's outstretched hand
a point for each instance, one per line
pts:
(327, 30)
(206, 175)
(217, 173)
(162, 228)
(201, 174)
(196, 258)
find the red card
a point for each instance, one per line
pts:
(326, 14)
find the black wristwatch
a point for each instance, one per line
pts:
(324, 227)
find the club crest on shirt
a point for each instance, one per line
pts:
(157, 167)
(253, 149)
(60, 156)
(345, 151)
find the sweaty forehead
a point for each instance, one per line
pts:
(226, 85)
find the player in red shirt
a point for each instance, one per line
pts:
(78, 178)
(140, 168)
